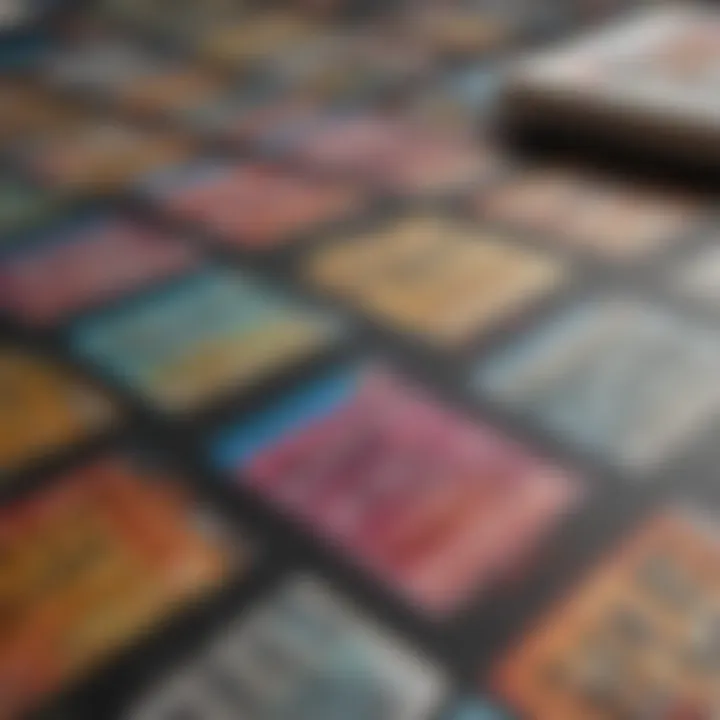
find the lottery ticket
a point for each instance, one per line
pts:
(43, 408)
(600, 216)
(398, 156)
(440, 279)
(434, 504)
(84, 264)
(621, 379)
(303, 654)
(214, 332)
(89, 566)
(253, 206)
(638, 639)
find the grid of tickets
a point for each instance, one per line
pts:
(319, 401)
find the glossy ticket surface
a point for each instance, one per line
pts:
(434, 505)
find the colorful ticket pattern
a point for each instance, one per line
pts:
(437, 511)
(303, 654)
(83, 265)
(214, 332)
(435, 505)
(597, 215)
(638, 639)
(43, 408)
(400, 157)
(253, 206)
(439, 279)
(622, 379)
(88, 567)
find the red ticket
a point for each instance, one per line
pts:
(85, 265)
(255, 206)
(434, 504)
(399, 156)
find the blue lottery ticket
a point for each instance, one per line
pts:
(204, 335)
(618, 377)
(304, 654)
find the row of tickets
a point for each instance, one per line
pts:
(74, 150)
(337, 71)
(420, 495)
(261, 207)
(212, 333)
(228, 35)
(639, 638)
(239, 34)
(627, 380)
(297, 55)
(93, 564)
(66, 146)
(593, 375)
(253, 207)
(92, 153)
(96, 561)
